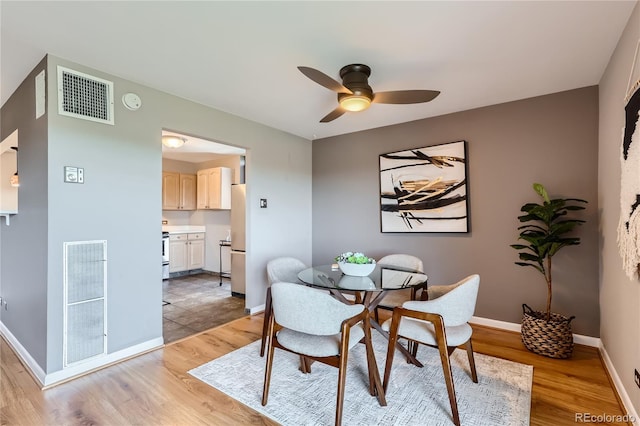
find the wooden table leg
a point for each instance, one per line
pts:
(371, 301)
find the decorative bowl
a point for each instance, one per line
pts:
(357, 269)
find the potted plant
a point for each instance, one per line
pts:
(355, 264)
(544, 233)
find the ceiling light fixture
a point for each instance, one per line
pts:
(355, 103)
(14, 180)
(173, 141)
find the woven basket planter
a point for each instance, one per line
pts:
(552, 338)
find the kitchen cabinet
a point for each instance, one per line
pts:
(214, 188)
(186, 251)
(178, 191)
(195, 253)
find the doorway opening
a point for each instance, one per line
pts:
(200, 289)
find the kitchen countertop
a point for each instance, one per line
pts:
(182, 229)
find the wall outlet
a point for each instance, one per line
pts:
(637, 377)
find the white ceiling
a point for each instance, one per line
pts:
(196, 150)
(241, 57)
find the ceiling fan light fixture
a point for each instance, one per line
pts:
(173, 141)
(355, 103)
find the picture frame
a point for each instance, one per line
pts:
(425, 190)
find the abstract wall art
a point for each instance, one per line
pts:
(629, 223)
(425, 189)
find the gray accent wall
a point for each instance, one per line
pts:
(120, 202)
(619, 296)
(549, 139)
(24, 250)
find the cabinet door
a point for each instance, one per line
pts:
(202, 188)
(213, 189)
(170, 191)
(196, 254)
(187, 192)
(178, 256)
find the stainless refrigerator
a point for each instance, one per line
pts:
(238, 248)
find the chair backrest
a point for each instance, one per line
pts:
(456, 307)
(301, 308)
(403, 261)
(284, 269)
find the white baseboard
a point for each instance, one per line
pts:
(36, 371)
(103, 361)
(624, 396)
(79, 369)
(503, 325)
(256, 309)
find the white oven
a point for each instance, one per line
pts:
(165, 255)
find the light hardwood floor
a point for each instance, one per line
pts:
(155, 388)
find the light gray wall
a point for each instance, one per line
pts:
(549, 139)
(120, 201)
(23, 261)
(619, 296)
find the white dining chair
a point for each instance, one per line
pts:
(318, 327)
(280, 269)
(398, 297)
(441, 323)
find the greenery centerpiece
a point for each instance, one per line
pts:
(544, 233)
(355, 263)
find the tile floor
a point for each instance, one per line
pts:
(195, 303)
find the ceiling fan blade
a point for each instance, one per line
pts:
(324, 80)
(333, 115)
(405, 96)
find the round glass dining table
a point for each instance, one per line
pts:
(383, 278)
(375, 286)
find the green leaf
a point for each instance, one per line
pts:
(541, 191)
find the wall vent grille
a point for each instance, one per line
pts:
(85, 281)
(83, 96)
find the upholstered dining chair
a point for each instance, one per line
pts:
(442, 323)
(280, 269)
(398, 297)
(320, 328)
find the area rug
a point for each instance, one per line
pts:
(416, 396)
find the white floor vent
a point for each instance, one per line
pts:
(85, 285)
(84, 96)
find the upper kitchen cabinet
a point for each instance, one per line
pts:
(214, 188)
(178, 191)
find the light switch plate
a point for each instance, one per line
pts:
(263, 203)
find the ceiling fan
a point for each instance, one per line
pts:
(355, 94)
